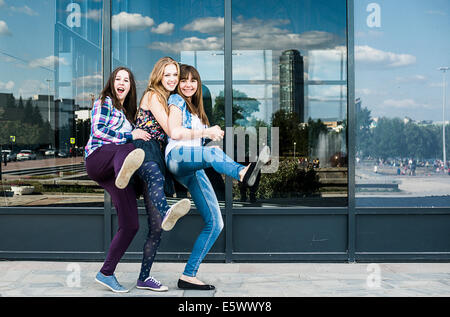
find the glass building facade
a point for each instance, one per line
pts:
(350, 99)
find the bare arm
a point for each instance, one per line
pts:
(157, 109)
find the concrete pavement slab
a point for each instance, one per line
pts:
(76, 279)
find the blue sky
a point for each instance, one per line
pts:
(396, 62)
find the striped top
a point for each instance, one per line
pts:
(108, 125)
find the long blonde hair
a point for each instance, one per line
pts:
(154, 81)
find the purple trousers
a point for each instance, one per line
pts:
(102, 166)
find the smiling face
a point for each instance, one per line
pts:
(122, 85)
(170, 77)
(188, 86)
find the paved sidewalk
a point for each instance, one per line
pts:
(55, 279)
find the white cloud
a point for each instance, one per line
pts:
(164, 28)
(411, 79)
(364, 91)
(190, 44)
(402, 103)
(210, 25)
(25, 9)
(95, 15)
(2, 3)
(249, 34)
(131, 21)
(370, 55)
(4, 28)
(48, 61)
(6, 86)
(436, 12)
(90, 81)
(31, 87)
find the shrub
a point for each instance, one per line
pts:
(290, 180)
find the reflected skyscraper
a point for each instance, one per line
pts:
(292, 83)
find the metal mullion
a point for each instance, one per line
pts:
(228, 88)
(351, 131)
(106, 70)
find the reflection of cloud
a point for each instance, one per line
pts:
(6, 86)
(371, 55)
(4, 28)
(436, 12)
(95, 15)
(364, 91)
(25, 9)
(190, 44)
(410, 79)
(90, 81)
(402, 103)
(31, 87)
(48, 61)
(130, 21)
(210, 25)
(164, 28)
(249, 34)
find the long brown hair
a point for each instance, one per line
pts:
(195, 105)
(154, 81)
(129, 106)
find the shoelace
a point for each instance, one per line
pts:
(151, 278)
(116, 282)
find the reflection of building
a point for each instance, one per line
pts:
(46, 106)
(77, 47)
(292, 83)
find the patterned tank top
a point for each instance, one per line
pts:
(146, 121)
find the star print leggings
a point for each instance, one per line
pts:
(156, 207)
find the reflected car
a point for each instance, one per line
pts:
(10, 156)
(50, 152)
(62, 154)
(26, 155)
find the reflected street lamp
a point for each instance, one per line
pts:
(444, 70)
(48, 82)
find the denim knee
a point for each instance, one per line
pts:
(215, 226)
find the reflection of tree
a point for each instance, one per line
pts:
(24, 122)
(292, 130)
(363, 122)
(243, 108)
(393, 138)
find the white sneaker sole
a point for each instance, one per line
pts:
(263, 158)
(131, 163)
(162, 289)
(177, 211)
(112, 289)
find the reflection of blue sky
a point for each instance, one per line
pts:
(396, 63)
(395, 67)
(26, 45)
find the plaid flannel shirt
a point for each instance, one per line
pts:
(106, 121)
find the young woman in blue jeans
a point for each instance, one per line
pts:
(186, 159)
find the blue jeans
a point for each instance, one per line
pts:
(187, 165)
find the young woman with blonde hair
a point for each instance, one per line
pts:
(152, 117)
